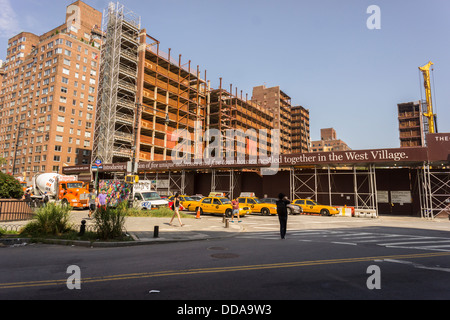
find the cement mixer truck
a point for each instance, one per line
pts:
(66, 189)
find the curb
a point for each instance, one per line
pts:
(7, 242)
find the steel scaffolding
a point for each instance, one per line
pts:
(116, 108)
(319, 184)
(434, 190)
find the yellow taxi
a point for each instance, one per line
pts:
(185, 201)
(310, 206)
(221, 206)
(257, 206)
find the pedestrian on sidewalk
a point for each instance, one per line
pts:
(92, 202)
(175, 208)
(101, 199)
(45, 199)
(235, 205)
(282, 203)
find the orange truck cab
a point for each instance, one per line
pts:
(74, 194)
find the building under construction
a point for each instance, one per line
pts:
(146, 95)
(234, 112)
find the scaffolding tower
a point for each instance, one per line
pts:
(116, 109)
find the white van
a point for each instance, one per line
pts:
(146, 198)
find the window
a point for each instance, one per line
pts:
(58, 148)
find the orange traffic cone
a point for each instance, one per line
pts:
(198, 213)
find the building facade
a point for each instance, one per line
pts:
(411, 124)
(328, 142)
(48, 95)
(279, 104)
(300, 130)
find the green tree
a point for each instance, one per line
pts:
(10, 187)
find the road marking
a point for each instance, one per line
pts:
(298, 264)
(413, 242)
(418, 266)
(346, 243)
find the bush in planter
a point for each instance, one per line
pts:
(109, 222)
(10, 187)
(52, 219)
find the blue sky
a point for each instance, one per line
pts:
(320, 53)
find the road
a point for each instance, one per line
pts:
(321, 263)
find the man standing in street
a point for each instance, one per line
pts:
(282, 203)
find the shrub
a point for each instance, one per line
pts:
(10, 187)
(110, 221)
(49, 220)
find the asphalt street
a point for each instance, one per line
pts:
(321, 259)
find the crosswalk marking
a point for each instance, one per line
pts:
(343, 237)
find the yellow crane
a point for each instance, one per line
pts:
(429, 114)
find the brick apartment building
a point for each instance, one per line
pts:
(412, 124)
(328, 142)
(293, 121)
(48, 95)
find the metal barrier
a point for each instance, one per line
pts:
(17, 210)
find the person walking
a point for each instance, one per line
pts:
(282, 203)
(27, 198)
(235, 206)
(45, 199)
(175, 208)
(92, 202)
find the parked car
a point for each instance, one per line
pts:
(310, 206)
(185, 201)
(221, 206)
(197, 197)
(291, 208)
(255, 204)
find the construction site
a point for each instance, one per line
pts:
(146, 96)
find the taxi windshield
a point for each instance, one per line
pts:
(151, 196)
(225, 200)
(187, 199)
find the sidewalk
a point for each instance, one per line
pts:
(142, 230)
